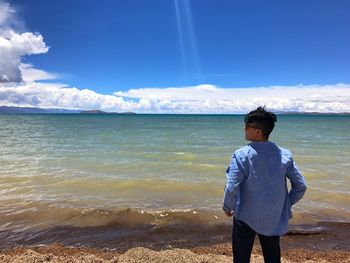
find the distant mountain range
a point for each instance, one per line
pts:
(7, 109)
(103, 112)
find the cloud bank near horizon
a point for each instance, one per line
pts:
(212, 99)
(20, 86)
(197, 99)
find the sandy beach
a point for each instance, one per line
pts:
(331, 244)
(212, 254)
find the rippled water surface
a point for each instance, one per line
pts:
(91, 169)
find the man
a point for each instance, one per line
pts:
(256, 192)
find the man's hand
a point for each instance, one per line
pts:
(229, 213)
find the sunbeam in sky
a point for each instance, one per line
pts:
(187, 39)
(181, 38)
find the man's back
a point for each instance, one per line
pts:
(263, 199)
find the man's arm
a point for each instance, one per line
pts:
(235, 176)
(297, 182)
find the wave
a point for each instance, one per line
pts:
(42, 223)
(39, 215)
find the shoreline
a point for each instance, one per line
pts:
(328, 242)
(122, 236)
(126, 228)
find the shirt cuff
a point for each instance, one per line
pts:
(226, 208)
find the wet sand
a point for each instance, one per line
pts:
(325, 242)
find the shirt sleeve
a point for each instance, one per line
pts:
(298, 184)
(235, 176)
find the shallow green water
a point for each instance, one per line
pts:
(155, 163)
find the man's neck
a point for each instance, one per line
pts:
(260, 140)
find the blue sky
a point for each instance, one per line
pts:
(122, 48)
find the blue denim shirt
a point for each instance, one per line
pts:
(256, 189)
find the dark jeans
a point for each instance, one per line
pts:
(242, 244)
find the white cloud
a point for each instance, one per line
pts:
(31, 74)
(11, 51)
(9, 20)
(212, 99)
(48, 95)
(14, 45)
(197, 99)
(5, 12)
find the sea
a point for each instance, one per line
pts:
(91, 179)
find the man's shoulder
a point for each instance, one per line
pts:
(243, 151)
(286, 155)
(249, 150)
(285, 151)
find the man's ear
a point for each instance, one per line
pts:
(260, 133)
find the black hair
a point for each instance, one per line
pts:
(262, 119)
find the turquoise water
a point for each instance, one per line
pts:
(85, 170)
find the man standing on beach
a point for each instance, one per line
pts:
(256, 193)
